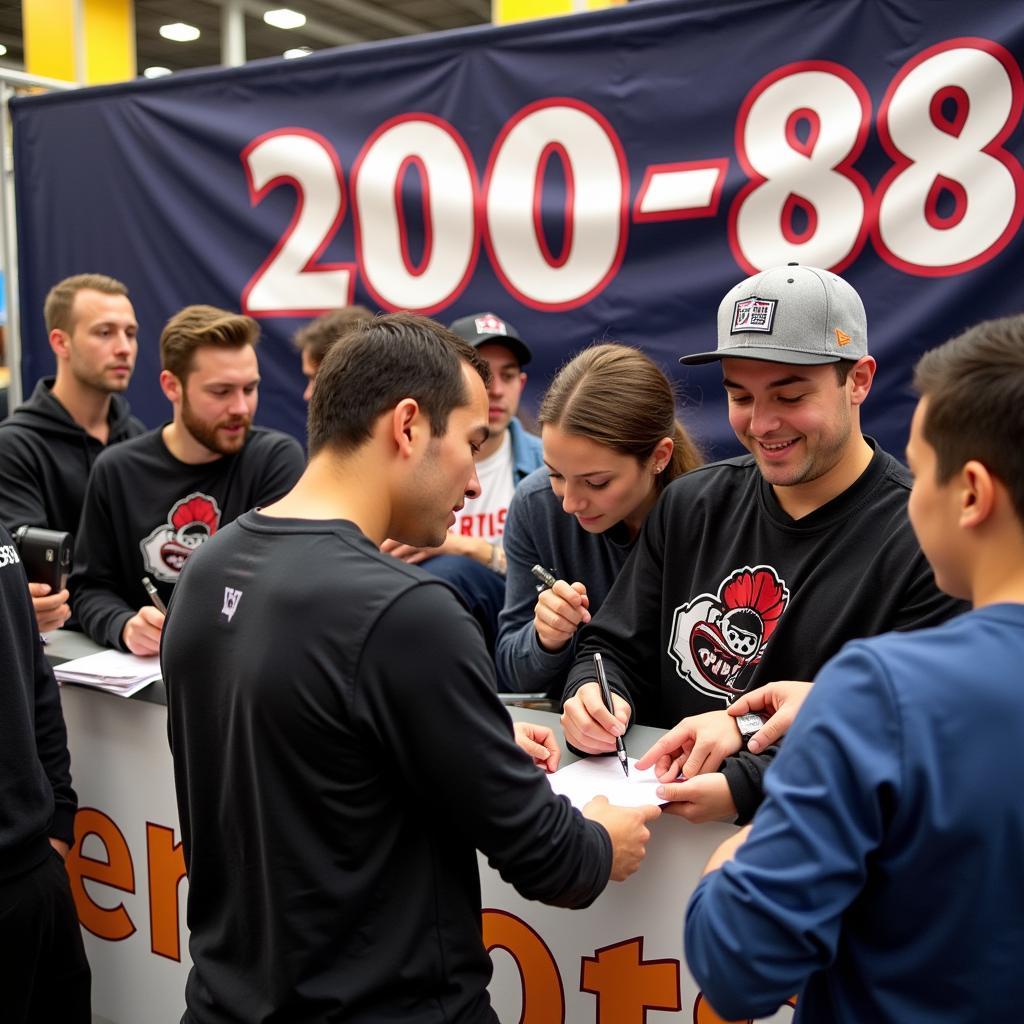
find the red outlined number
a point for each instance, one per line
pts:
(406, 150)
(291, 282)
(953, 198)
(798, 133)
(594, 212)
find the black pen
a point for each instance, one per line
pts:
(544, 577)
(606, 696)
(154, 595)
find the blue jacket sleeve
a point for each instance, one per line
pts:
(757, 929)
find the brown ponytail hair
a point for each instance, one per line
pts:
(617, 397)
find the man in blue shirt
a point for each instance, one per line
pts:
(881, 876)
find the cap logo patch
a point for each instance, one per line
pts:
(842, 337)
(490, 324)
(753, 314)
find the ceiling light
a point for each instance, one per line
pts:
(156, 71)
(284, 17)
(179, 32)
(3, 49)
(298, 51)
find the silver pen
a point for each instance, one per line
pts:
(154, 595)
(543, 576)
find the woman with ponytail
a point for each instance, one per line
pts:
(611, 444)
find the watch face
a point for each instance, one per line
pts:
(748, 725)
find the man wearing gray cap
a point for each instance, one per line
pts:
(472, 558)
(757, 568)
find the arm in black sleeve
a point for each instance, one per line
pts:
(745, 774)
(21, 498)
(52, 747)
(96, 580)
(626, 629)
(433, 703)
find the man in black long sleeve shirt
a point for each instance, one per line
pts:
(339, 748)
(758, 568)
(152, 501)
(47, 975)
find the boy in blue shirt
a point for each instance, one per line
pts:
(881, 876)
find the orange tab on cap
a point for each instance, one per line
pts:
(842, 337)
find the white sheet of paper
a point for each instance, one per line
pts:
(582, 780)
(115, 671)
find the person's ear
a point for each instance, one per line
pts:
(662, 454)
(860, 378)
(977, 494)
(171, 386)
(405, 424)
(60, 342)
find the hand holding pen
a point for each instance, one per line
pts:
(141, 633)
(560, 610)
(592, 725)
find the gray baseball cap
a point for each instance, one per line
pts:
(791, 314)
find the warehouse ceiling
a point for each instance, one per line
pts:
(328, 23)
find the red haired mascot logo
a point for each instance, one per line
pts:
(716, 636)
(190, 522)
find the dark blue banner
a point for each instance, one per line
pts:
(602, 176)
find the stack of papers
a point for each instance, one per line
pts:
(582, 780)
(114, 671)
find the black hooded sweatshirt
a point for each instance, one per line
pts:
(36, 798)
(46, 457)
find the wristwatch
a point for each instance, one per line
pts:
(748, 725)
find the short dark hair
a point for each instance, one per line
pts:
(975, 390)
(197, 327)
(320, 334)
(377, 364)
(61, 297)
(843, 368)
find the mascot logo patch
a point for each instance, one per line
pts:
(753, 314)
(716, 636)
(191, 521)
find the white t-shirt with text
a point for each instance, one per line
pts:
(485, 516)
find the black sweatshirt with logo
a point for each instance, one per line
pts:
(146, 511)
(724, 592)
(340, 754)
(36, 798)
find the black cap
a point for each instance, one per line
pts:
(480, 328)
